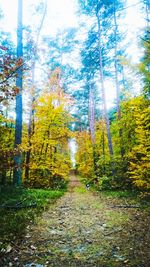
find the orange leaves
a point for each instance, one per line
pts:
(19, 62)
(9, 67)
(16, 90)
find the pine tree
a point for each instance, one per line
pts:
(100, 11)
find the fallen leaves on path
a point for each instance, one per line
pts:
(82, 229)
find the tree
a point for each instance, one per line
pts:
(31, 115)
(6, 149)
(8, 69)
(100, 12)
(117, 5)
(18, 128)
(84, 155)
(139, 168)
(50, 159)
(105, 114)
(144, 65)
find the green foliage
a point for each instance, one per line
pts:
(82, 189)
(84, 156)
(144, 66)
(6, 148)
(130, 194)
(104, 183)
(14, 222)
(50, 162)
(139, 169)
(132, 169)
(129, 165)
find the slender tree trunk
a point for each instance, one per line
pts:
(30, 132)
(92, 122)
(116, 69)
(103, 89)
(103, 142)
(123, 78)
(54, 156)
(103, 138)
(31, 116)
(117, 79)
(17, 177)
(92, 114)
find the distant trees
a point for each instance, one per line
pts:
(78, 71)
(34, 57)
(131, 170)
(32, 152)
(124, 137)
(49, 151)
(10, 69)
(144, 66)
(97, 57)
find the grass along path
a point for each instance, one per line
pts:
(82, 229)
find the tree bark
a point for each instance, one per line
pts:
(115, 63)
(117, 80)
(30, 132)
(31, 116)
(103, 88)
(17, 177)
(92, 122)
(92, 114)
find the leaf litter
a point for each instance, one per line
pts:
(82, 229)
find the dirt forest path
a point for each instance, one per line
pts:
(83, 229)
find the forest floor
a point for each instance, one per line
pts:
(85, 228)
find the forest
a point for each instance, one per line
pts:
(73, 100)
(70, 101)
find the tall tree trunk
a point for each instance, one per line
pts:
(92, 114)
(17, 177)
(92, 122)
(30, 131)
(31, 116)
(103, 88)
(117, 79)
(115, 63)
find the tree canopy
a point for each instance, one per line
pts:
(65, 80)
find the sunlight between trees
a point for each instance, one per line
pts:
(62, 100)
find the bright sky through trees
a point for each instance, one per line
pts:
(59, 14)
(74, 98)
(62, 14)
(74, 108)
